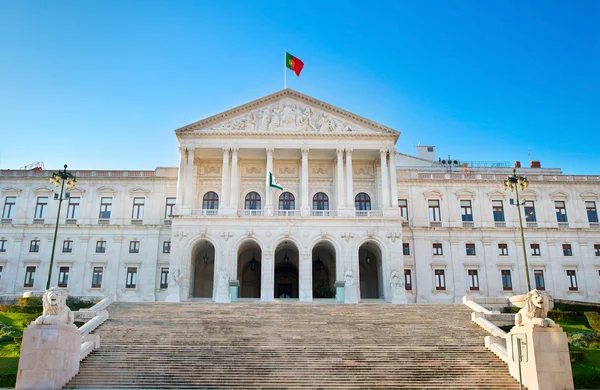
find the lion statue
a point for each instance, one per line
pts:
(56, 310)
(535, 310)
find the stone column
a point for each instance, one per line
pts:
(180, 177)
(349, 183)
(340, 178)
(224, 180)
(393, 184)
(305, 208)
(268, 198)
(305, 282)
(189, 178)
(233, 202)
(385, 193)
(267, 277)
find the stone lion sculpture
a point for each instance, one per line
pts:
(535, 310)
(56, 310)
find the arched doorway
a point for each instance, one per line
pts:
(369, 261)
(286, 270)
(203, 270)
(323, 270)
(249, 269)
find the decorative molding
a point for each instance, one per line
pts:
(394, 236)
(139, 191)
(179, 234)
(226, 235)
(465, 193)
(11, 191)
(433, 194)
(590, 196)
(347, 236)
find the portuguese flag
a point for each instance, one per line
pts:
(294, 63)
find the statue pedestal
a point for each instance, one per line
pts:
(546, 363)
(351, 293)
(49, 356)
(398, 295)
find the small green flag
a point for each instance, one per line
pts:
(274, 182)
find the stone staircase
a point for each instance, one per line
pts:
(192, 345)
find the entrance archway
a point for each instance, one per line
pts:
(323, 270)
(369, 261)
(203, 270)
(249, 269)
(286, 270)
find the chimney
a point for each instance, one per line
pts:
(535, 164)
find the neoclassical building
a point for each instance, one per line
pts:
(353, 217)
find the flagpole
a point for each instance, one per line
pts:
(284, 73)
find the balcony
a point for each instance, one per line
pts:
(38, 221)
(468, 224)
(323, 213)
(250, 213)
(435, 224)
(369, 213)
(137, 221)
(593, 225)
(167, 222)
(405, 224)
(71, 221)
(532, 224)
(103, 221)
(6, 221)
(500, 224)
(287, 213)
(563, 225)
(205, 212)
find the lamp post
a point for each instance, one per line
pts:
(59, 179)
(514, 183)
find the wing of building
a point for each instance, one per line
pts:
(290, 197)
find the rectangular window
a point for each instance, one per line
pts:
(138, 208)
(434, 211)
(166, 246)
(73, 208)
(590, 208)
(470, 249)
(97, 277)
(572, 279)
(561, 211)
(2, 245)
(9, 207)
(596, 249)
(506, 280)
(29, 276)
(405, 248)
(63, 276)
(466, 210)
(437, 249)
(502, 249)
(407, 280)
(567, 251)
(440, 279)
(170, 206)
(403, 204)
(473, 280)
(529, 211)
(40, 207)
(498, 210)
(67, 246)
(105, 208)
(100, 246)
(538, 275)
(134, 247)
(164, 278)
(535, 249)
(1, 269)
(131, 277)
(34, 246)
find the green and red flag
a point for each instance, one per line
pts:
(294, 63)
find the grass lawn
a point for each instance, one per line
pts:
(578, 325)
(9, 350)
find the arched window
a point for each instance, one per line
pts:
(287, 201)
(362, 202)
(320, 201)
(252, 201)
(210, 201)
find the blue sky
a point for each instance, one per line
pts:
(103, 84)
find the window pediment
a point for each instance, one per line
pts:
(8, 191)
(465, 194)
(139, 191)
(529, 195)
(105, 190)
(559, 195)
(433, 194)
(496, 195)
(42, 190)
(77, 192)
(590, 196)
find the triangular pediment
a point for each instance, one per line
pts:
(287, 112)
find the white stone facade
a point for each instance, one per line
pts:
(298, 244)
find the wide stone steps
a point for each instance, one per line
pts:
(256, 345)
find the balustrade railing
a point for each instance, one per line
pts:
(287, 213)
(250, 213)
(323, 213)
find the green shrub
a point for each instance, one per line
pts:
(577, 357)
(8, 380)
(4, 307)
(30, 301)
(510, 309)
(76, 303)
(575, 307)
(593, 319)
(586, 381)
(580, 339)
(559, 315)
(594, 345)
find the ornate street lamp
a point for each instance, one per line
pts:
(59, 178)
(514, 183)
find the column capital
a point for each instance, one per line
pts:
(383, 151)
(339, 151)
(349, 150)
(226, 150)
(190, 149)
(270, 150)
(304, 150)
(235, 150)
